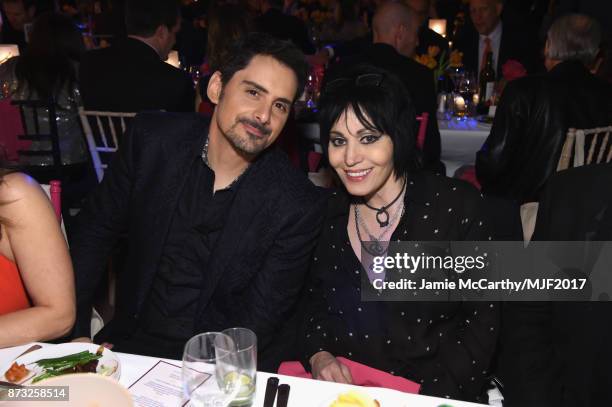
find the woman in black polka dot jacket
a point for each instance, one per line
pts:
(366, 121)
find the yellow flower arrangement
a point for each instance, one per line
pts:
(426, 60)
(454, 60)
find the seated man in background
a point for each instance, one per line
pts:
(535, 112)
(131, 75)
(220, 226)
(558, 353)
(491, 29)
(19, 14)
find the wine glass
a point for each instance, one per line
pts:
(210, 374)
(467, 88)
(456, 74)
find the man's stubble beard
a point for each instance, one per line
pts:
(250, 145)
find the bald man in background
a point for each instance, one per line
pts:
(395, 37)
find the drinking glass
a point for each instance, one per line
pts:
(455, 75)
(210, 370)
(467, 88)
(245, 342)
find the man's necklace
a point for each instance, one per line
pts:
(204, 156)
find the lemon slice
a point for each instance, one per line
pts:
(246, 383)
(354, 399)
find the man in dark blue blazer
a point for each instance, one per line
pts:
(220, 227)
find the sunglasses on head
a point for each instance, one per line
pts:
(367, 79)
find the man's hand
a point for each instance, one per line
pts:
(326, 367)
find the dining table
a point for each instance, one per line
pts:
(303, 392)
(460, 140)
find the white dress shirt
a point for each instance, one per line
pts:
(495, 37)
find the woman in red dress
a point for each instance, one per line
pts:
(37, 300)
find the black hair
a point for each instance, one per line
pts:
(242, 52)
(142, 17)
(380, 102)
(48, 62)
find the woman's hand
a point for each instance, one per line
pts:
(326, 367)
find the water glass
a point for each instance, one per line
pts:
(210, 370)
(245, 342)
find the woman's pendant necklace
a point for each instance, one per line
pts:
(382, 213)
(376, 246)
(382, 217)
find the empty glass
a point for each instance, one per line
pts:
(245, 342)
(210, 370)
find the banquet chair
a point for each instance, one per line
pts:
(597, 146)
(586, 147)
(422, 119)
(103, 131)
(31, 112)
(54, 191)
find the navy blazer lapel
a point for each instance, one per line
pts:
(167, 184)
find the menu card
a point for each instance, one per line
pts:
(160, 386)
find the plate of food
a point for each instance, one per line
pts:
(58, 360)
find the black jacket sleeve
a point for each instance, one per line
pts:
(98, 226)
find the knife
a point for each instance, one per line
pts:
(283, 395)
(7, 385)
(271, 387)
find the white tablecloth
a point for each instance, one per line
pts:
(460, 140)
(304, 392)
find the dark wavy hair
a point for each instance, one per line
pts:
(48, 63)
(242, 52)
(380, 102)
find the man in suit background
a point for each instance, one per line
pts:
(131, 75)
(220, 226)
(488, 31)
(395, 27)
(535, 112)
(19, 14)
